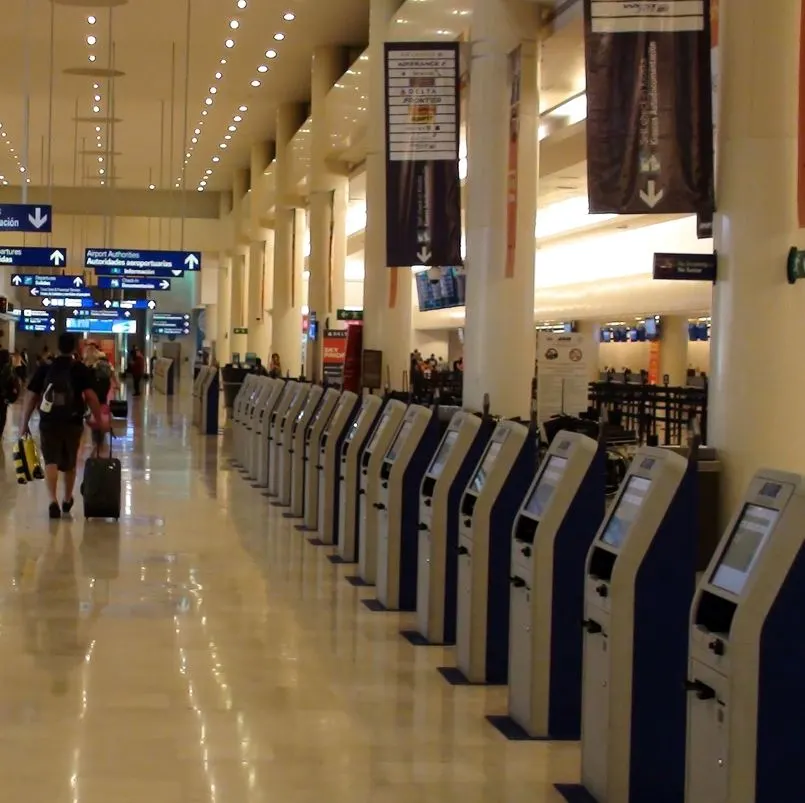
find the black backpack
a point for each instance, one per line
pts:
(59, 396)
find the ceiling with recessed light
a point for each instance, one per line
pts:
(100, 87)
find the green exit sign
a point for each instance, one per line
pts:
(240, 330)
(349, 314)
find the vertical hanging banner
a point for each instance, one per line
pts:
(649, 107)
(423, 189)
(334, 353)
(515, 72)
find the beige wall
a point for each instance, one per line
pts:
(634, 356)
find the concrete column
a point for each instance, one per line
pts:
(238, 314)
(224, 344)
(592, 337)
(674, 349)
(386, 291)
(756, 388)
(287, 301)
(258, 320)
(500, 304)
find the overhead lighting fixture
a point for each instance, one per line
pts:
(222, 61)
(151, 187)
(279, 36)
(213, 90)
(223, 146)
(208, 101)
(255, 83)
(243, 108)
(216, 158)
(197, 131)
(262, 68)
(233, 128)
(96, 86)
(208, 171)
(289, 16)
(200, 189)
(98, 98)
(219, 76)
(242, 4)
(91, 20)
(96, 109)
(91, 40)
(101, 171)
(234, 24)
(194, 140)
(97, 128)
(237, 118)
(204, 113)
(91, 57)
(271, 54)
(230, 43)
(100, 158)
(228, 137)
(22, 169)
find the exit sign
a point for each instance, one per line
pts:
(349, 315)
(240, 330)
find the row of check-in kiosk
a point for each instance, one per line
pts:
(682, 684)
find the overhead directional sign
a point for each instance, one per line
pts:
(686, 267)
(37, 320)
(108, 314)
(22, 257)
(108, 258)
(129, 303)
(46, 282)
(26, 217)
(122, 283)
(143, 273)
(54, 291)
(170, 323)
(67, 301)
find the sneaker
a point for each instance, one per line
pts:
(54, 510)
(67, 505)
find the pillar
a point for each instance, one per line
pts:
(591, 331)
(259, 337)
(674, 349)
(223, 347)
(237, 302)
(287, 296)
(756, 389)
(329, 194)
(386, 291)
(499, 340)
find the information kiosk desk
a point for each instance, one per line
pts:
(439, 501)
(289, 396)
(371, 462)
(747, 655)
(286, 433)
(639, 584)
(398, 507)
(315, 432)
(264, 426)
(351, 450)
(297, 451)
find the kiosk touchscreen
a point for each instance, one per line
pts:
(289, 396)
(239, 417)
(490, 503)
(401, 476)
(747, 657)
(371, 462)
(351, 450)
(314, 434)
(330, 464)
(286, 437)
(264, 388)
(297, 451)
(558, 520)
(439, 501)
(264, 424)
(638, 588)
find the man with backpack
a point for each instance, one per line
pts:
(61, 390)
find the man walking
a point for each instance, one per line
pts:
(60, 390)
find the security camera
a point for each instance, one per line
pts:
(434, 275)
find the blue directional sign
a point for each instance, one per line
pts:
(36, 320)
(143, 273)
(46, 282)
(128, 303)
(20, 257)
(122, 283)
(171, 317)
(108, 258)
(26, 217)
(108, 314)
(67, 301)
(60, 292)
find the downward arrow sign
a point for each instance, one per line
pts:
(424, 255)
(651, 196)
(37, 218)
(177, 272)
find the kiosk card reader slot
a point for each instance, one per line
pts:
(264, 430)
(371, 463)
(288, 397)
(490, 503)
(329, 464)
(264, 388)
(446, 478)
(286, 429)
(638, 587)
(745, 705)
(297, 451)
(315, 432)
(351, 451)
(558, 520)
(397, 507)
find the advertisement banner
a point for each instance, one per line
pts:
(563, 372)
(334, 352)
(649, 107)
(423, 190)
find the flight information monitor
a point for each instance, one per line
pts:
(438, 463)
(626, 511)
(399, 441)
(479, 480)
(745, 545)
(551, 477)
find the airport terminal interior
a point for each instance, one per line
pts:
(454, 449)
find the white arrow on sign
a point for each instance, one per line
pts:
(191, 260)
(164, 285)
(16, 280)
(127, 314)
(57, 257)
(152, 305)
(37, 218)
(177, 273)
(78, 282)
(34, 291)
(45, 301)
(424, 255)
(107, 303)
(651, 196)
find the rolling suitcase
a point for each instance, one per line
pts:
(101, 487)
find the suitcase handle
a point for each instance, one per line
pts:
(111, 445)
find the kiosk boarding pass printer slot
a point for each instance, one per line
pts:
(297, 451)
(264, 388)
(638, 587)
(558, 519)
(401, 475)
(488, 507)
(286, 433)
(239, 415)
(315, 432)
(288, 397)
(271, 399)
(439, 501)
(329, 465)
(371, 461)
(745, 706)
(348, 480)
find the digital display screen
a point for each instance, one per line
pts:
(771, 489)
(549, 479)
(746, 542)
(626, 510)
(399, 441)
(479, 480)
(437, 464)
(378, 432)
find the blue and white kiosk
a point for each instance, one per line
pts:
(745, 706)
(255, 424)
(298, 450)
(287, 432)
(289, 396)
(264, 427)
(239, 416)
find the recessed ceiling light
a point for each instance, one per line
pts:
(187, 156)
(219, 76)
(96, 86)
(255, 82)
(91, 20)
(262, 68)
(98, 98)
(22, 169)
(223, 146)
(101, 171)
(197, 131)
(237, 118)
(100, 158)
(230, 43)
(103, 182)
(200, 189)
(208, 171)
(91, 57)
(223, 61)
(233, 128)
(202, 183)
(204, 113)
(216, 158)
(243, 108)
(99, 145)
(234, 24)
(279, 36)
(289, 16)
(242, 3)
(151, 187)
(97, 128)
(213, 90)
(228, 137)
(96, 109)
(271, 54)
(91, 40)
(208, 101)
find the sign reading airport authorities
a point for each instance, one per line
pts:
(103, 260)
(423, 192)
(649, 106)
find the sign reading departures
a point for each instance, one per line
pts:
(32, 257)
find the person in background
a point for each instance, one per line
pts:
(24, 366)
(458, 365)
(45, 358)
(275, 369)
(104, 384)
(137, 369)
(259, 369)
(9, 387)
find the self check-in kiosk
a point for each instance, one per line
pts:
(315, 432)
(298, 450)
(289, 396)
(264, 428)
(747, 655)
(446, 478)
(330, 464)
(239, 417)
(286, 439)
(490, 503)
(209, 390)
(371, 461)
(559, 518)
(401, 475)
(638, 588)
(253, 426)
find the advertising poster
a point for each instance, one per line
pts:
(649, 107)
(562, 374)
(334, 352)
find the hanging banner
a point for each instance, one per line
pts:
(334, 352)
(649, 107)
(515, 72)
(423, 190)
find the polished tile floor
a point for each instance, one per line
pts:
(202, 650)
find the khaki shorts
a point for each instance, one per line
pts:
(60, 444)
